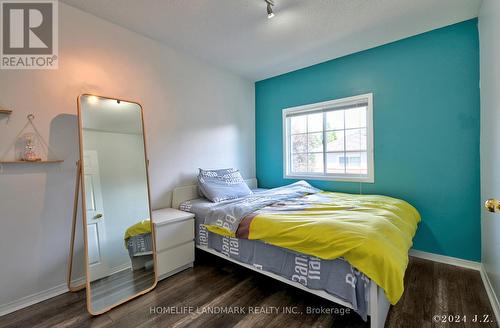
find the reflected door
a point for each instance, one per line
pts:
(96, 227)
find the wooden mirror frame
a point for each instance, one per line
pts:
(80, 186)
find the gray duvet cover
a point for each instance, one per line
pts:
(140, 245)
(336, 277)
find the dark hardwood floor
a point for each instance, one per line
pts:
(119, 286)
(431, 289)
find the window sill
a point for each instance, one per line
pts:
(365, 179)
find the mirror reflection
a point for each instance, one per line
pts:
(118, 229)
(76, 279)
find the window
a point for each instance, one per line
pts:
(331, 140)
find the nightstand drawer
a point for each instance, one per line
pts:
(173, 234)
(174, 258)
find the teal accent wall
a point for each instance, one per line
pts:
(426, 128)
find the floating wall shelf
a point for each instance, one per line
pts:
(30, 118)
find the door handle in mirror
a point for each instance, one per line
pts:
(492, 205)
(98, 216)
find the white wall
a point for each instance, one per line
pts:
(196, 115)
(489, 33)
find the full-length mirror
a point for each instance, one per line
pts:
(119, 241)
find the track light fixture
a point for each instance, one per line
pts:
(270, 4)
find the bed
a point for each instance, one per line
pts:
(138, 242)
(344, 285)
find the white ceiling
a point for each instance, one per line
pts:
(236, 34)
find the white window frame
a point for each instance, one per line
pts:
(325, 106)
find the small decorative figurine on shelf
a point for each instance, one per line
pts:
(30, 148)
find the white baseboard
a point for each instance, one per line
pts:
(446, 260)
(78, 281)
(121, 267)
(32, 299)
(38, 297)
(495, 304)
(63, 288)
(49, 293)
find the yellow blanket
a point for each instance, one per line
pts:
(373, 233)
(139, 228)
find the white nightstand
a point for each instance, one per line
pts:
(174, 232)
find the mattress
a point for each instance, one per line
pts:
(336, 277)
